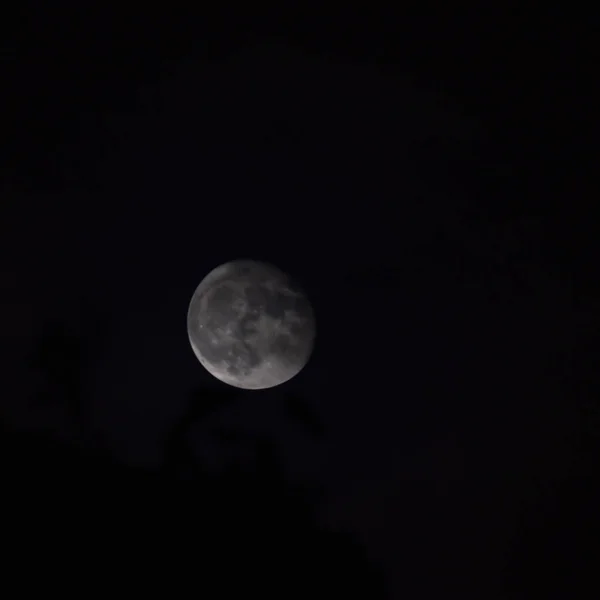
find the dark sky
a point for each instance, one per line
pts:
(415, 174)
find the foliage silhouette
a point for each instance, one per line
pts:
(62, 357)
(180, 530)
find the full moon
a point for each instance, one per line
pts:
(250, 325)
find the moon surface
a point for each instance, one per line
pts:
(250, 325)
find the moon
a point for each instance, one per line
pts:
(250, 325)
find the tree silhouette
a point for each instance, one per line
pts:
(63, 356)
(242, 530)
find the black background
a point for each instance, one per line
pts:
(424, 176)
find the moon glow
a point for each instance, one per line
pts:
(250, 325)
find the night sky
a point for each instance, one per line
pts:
(419, 177)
